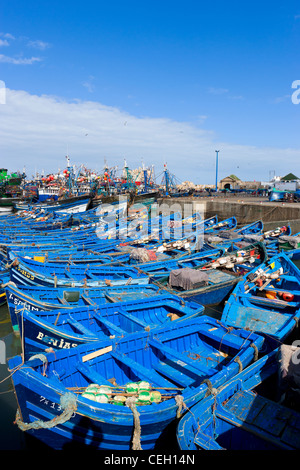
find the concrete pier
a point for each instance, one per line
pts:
(244, 209)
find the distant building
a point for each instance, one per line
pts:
(290, 177)
(289, 182)
(230, 182)
(233, 182)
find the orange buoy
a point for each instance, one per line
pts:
(259, 282)
(288, 297)
(271, 294)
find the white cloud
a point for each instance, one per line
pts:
(4, 42)
(217, 91)
(236, 97)
(225, 92)
(88, 84)
(19, 60)
(41, 45)
(7, 35)
(38, 131)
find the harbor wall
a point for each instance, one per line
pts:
(246, 210)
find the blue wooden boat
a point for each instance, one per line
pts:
(225, 238)
(209, 290)
(64, 256)
(273, 240)
(252, 228)
(277, 195)
(49, 221)
(227, 224)
(182, 362)
(159, 269)
(40, 219)
(289, 244)
(62, 328)
(278, 232)
(243, 414)
(44, 298)
(164, 261)
(213, 282)
(29, 272)
(85, 241)
(4, 279)
(85, 238)
(36, 299)
(32, 231)
(267, 300)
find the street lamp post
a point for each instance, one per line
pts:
(217, 157)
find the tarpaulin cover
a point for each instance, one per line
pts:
(187, 278)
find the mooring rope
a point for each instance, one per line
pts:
(180, 404)
(136, 440)
(68, 403)
(42, 358)
(237, 359)
(255, 351)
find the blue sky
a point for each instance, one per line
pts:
(156, 82)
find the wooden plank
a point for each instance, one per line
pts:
(88, 301)
(98, 353)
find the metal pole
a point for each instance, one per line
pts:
(217, 157)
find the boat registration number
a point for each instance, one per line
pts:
(25, 273)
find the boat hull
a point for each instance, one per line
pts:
(238, 417)
(267, 300)
(108, 426)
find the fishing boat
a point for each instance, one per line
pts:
(63, 328)
(71, 205)
(278, 232)
(289, 244)
(267, 300)
(227, 224)
(38, 298)
(212, 283)
(163, 261)
(29, 272)
(4, 278)
(66, 257)
(7, 204)
(284, 195)
(243, 414)
(224, 238)
(181, 362)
